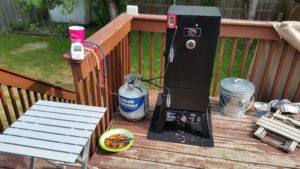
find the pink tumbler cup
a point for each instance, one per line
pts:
(77, 34)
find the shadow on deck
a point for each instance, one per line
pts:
(235, 147)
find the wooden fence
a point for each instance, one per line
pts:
(10, 11)
(160, 6)
(237, 9)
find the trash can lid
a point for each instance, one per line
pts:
(237, 86)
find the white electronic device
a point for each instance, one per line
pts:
(77, 51)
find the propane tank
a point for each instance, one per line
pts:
(133, 97)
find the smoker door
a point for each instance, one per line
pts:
(191, 68)
(186, 99)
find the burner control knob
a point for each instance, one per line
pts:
(190, 44)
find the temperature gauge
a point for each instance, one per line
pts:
(171, 21)
(77, 51)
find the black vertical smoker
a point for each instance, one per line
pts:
(192, 33)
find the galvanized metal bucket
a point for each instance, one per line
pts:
(236, 96)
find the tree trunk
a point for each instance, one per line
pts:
(112, 8)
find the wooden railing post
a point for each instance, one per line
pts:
(95, 86)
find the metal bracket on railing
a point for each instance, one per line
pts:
(280, 128)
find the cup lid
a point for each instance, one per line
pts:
(76, 27)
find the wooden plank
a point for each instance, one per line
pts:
(51, 129)
(199, 161)
(125, 163)
(106, 102)
(260, 48)
(22, 100)
(109, 86)
(72, 106)
(39, 153)
(1, 126)
(229, 27)
(140, 47)
(5, 106)
(267, 70)
(43, 135)
(13, 101)
(233, 53)
(93, 88)
(28, 95)
(297, 95)
(41, 144)
(129, 51)
(126, 55)
(231, 144)
(119, 82)
(291, 74)
(99, 90)
(9, 161)
(123, 59)
(35, 96)
(114, 79)
(76, 80)
(151, 57)
(58, 123)
(279, 71)
(18, 80)
(43, 96)
(86, 91)
(148, 24)
(248, 29)
(221, 53)
(245, 56)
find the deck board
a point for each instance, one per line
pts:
(235, 147)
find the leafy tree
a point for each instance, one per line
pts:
(68, 5)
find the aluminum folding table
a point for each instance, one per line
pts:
(53, 131)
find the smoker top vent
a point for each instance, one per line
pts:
(194, 10)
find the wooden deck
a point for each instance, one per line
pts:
(235, 147)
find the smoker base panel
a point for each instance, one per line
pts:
(175, 134)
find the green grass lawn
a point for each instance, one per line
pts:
(45, 64)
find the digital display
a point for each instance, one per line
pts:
(77, 48)
(171, 20)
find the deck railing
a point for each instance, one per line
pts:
(90, 86)
(243, 37)
(19, 92)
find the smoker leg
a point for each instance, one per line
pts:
(205, 125)
(160, 123)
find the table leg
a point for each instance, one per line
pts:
(32, 163)
(85, 155)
